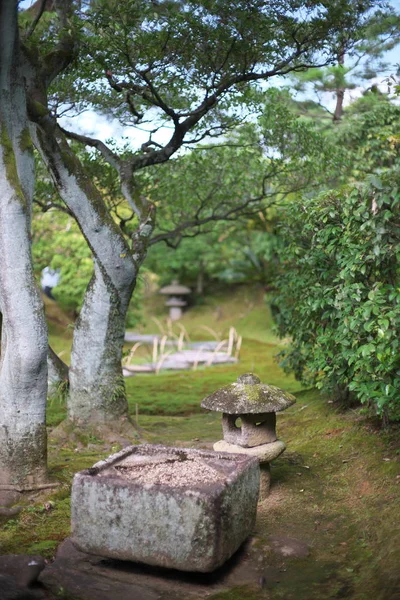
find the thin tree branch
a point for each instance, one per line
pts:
(61, 57)
(110, 156)
(45, 206)
(41, 7)
(230, 215)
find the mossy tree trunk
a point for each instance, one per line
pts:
(23, 359)
(96, 386)
(97, 390)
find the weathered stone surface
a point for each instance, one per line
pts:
(255, 430)
(265, 481)
(191, 528)
(10, 590)
(264, 453)
(247, 396)
(72, 571)
(10, 512)
(24, 569)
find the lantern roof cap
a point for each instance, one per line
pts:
(175, 288)
(248, 396)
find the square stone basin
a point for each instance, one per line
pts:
(179, 508)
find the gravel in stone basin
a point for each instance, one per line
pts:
(173, 472)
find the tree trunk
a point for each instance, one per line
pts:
(97, 389)
(200, 280)
(23, 365)
(340, 90)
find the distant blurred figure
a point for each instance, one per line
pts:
(49, 280)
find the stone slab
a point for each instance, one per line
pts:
(18, 577)
(194, 527)
(23, 568)
(72, 572)
(90, 577)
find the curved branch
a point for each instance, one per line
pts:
(110, 156)
(45, 206)
(229, 215)
(41, 5)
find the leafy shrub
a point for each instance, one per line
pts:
(339, 294)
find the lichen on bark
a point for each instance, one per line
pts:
(25, 141)
(10, 163)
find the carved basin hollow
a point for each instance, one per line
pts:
(178, 508)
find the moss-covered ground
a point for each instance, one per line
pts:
(336, 488)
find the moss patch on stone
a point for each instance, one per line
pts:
(241, 398)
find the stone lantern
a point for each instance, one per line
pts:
(175, 302)
(256, 405)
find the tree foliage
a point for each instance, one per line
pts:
(228, 193)
(339, 294)
(59, 244)
(370, 133)
(361, 64)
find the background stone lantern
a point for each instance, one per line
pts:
(256, 405)
(175, 302)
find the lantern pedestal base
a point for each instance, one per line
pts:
(265, 454)
(265, 481)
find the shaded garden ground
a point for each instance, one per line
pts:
(335, 493)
